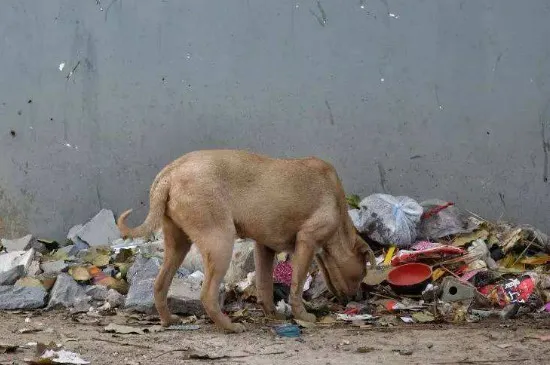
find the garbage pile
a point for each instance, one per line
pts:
(435, 262)
(440, 263)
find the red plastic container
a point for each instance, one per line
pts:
(410, 278)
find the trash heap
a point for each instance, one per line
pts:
(435, 262)
(440, 263)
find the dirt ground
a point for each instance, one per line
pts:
(488, 342)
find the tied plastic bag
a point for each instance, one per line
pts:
(387, 219)
(445, 222)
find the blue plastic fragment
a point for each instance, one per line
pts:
(288, 330)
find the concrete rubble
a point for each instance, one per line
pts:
(16, 297)
(14, 265)
(66, 293)
(100, 230)
(18, 244)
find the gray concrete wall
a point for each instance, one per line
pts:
(428, 98)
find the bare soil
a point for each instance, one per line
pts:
(519, 341)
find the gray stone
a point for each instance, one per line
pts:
(66, 293)
(74, 249)
(143, 268)
(16, 297)
(115, 299)
(184, 297)
(18, 244)
(97, 292)
(100, 230)
(34, 268)
(73, 232)
(12, 275)
(81, 305)
(14, 265)
(141, 277)
(193, 260)
(53, 267)
(38, 246)
(242, 261)
(140, 296)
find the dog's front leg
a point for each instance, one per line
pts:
(301, 262)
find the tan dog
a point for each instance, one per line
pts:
(295, 205)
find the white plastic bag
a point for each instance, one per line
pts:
(387, 219)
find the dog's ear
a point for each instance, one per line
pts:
(365, 249)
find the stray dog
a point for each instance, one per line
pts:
(212, 197)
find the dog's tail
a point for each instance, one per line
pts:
(158, 196)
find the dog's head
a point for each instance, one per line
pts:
(343, 264)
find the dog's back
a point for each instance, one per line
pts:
(267, 199)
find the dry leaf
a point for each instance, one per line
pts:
(536, 260)
(327, 320)
(504, 345)
(29, 282)
(304, 324)
(376, 276)
(101, 260)
(80, 273)
(463, 239)
(423, 317)
(510, 239)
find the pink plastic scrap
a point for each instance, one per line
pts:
(425, 250)
(282, 273)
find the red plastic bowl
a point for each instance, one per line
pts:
(410, 278)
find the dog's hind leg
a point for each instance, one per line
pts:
(216, 248)
(176, 246)
(263, 259)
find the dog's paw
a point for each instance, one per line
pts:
(279, 316)
(172, 321)
(237, 328)
(306, 317)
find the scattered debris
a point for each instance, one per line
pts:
(365, 349)
(60, 356)
(125, 330)
(6, 348)
(354, 317)
(184, 327)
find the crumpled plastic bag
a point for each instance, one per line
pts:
(425, 251)
(447, 222)
(387, 219)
